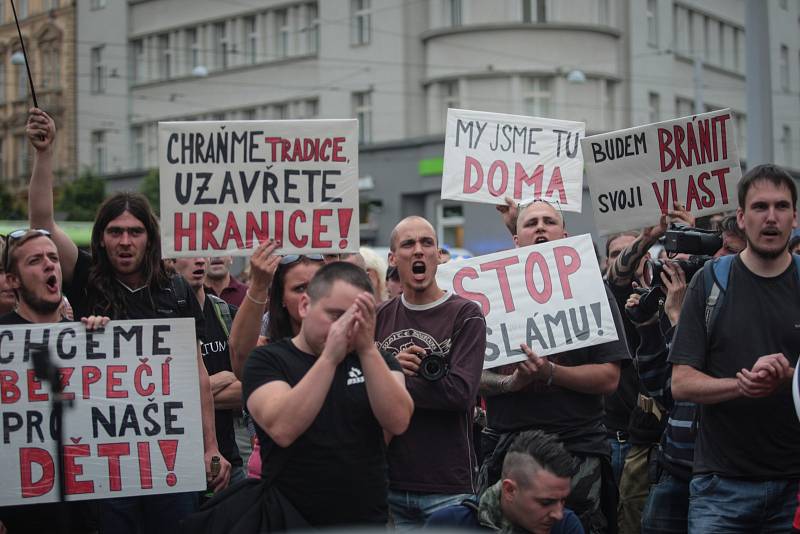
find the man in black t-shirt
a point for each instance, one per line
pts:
(560, 394)
(218, 316)
(325, 400)
(123, 278)
(34, 273)
(747, 455)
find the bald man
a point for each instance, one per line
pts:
(431, 465)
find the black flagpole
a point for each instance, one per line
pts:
(25, 55)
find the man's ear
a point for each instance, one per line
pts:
(305, 304)
(516, 241)
(509, 489)
(392, 260)
(12, 280)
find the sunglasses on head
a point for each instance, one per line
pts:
(14, 236)
(555, 204)
(289, 259)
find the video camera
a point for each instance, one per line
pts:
(678, 239)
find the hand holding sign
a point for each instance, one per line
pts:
(534, 369)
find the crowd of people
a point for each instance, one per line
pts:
(337, 390)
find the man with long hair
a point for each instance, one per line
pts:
(124, 278)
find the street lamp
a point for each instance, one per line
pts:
(200, 71)
(576, 76)
(18, 58)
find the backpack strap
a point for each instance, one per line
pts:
(180, 288)
(223, 312)
(715, 281)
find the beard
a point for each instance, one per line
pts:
(37, 304)
(767, 254)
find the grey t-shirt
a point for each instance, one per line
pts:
(744, 438)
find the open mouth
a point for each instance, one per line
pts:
(770, 232)
(217, 261)
(418, 267)
(52, 283)
(540, 239)
(199, 272)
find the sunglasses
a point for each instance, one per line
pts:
(13, 238)
(555, 204)
(294, 258)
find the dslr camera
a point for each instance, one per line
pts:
(433, 366)
(679, 239)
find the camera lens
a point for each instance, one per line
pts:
(433, 367)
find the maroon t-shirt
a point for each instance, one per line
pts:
(436, 453)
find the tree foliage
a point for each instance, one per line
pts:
(150, 188)
(81, 197)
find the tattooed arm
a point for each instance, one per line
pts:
(624, 267)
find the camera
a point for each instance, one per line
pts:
(687, 240)
(650, 302)
(679, 238)
(433, 367)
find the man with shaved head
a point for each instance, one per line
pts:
(432, 465)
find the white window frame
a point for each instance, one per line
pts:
(537, 96)
(362, 110)
(652, 23)
(360, 22)
(99, 151)
(220, 35)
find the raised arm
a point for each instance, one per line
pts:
(41, 131)
(247, 323)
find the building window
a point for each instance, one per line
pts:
(310, 108)
(99, 151)
(684, 107)
(741, 135)
(449, 97)
(603, 12)
(537, 97)
(23, 155)
(360, 22)
(97, 4)
(362, 110)
(164, 56)
(98, 70)
(310, 31)
(2, 89)
(22, 8)
(249, 114)
(784, 68)
(280, 112)
(610, 105)
(138, 64)
(2, 157)
(737, 39)
(653, 107)
(51, 68)
(652, 23)
(22, 82)
(282, 33)
(220, 45)
(787, 146)
(534, 10)
(250, 40)
(52, 4)
(451, 225)
(784, 4)
(721, 44)
(452, 13)
(690, 18)
(706, 38)
(193, 45)
(137, 147)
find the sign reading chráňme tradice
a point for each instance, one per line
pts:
(490, 156)
(635, 175)
(227, 186)
(550, 296)
(134, 427)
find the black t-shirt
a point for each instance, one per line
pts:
(142, 303)
(621, 403)
(744, 438)
(336, 471)
(214, 347)
(577, 418)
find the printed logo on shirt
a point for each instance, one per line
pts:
(401, 340)
(356, 377)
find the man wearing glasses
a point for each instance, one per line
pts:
(124, 278)
(561, 394)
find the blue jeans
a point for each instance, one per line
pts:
(718, 504)
(149, 514)
(410, 510)
(667, 507)
(619, 451)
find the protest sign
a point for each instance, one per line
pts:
(134, 427)
(490, 156)
(227, 186)
(635, 175)
(550, 296)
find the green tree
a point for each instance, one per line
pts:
(81, 197)
(150, 188)
(11, 208)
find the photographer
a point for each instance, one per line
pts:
(667, 504)
(439, 338)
